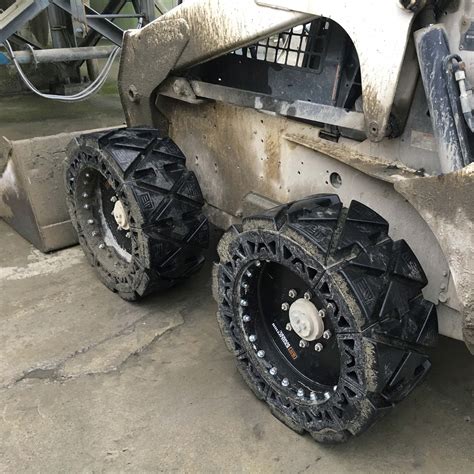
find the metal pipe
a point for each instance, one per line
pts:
(116, 15)
(60, 55)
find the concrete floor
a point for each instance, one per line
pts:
(92, 383)
(27, 116)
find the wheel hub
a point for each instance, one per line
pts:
(306, 320)
(292, 352)
(120, 215)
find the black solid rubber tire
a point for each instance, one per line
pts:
(372, 287)
(162, 199)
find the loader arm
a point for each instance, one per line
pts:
(200, 30)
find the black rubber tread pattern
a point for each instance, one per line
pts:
(383, 324)
(163, 200)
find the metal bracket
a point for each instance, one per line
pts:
(79, 20)
(180, 89)
(103, 26)
(187, 91)
(135, 84)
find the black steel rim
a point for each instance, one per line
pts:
(302, 371)
(95, 196)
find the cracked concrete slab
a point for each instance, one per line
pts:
(112, 353)
(57, 316)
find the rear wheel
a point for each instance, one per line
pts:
(137, 210)
(324, 314)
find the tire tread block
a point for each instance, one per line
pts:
(363, 227)
(316, 217)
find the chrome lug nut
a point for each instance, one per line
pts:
(273, 371)
(285, 306)
(102, 246)
(261, 354)
(327, 334)
(288, 327)
(128, 235)
(285, 382)
(86, 206)
(307, 295)
(114, 199)
(252, 338)
(85, 195)
(246, 318)
(322, 313)
(303, 343)
(313, 397)
(258, 263)
(244, 302)
(94, 233)
(292, 293)
(249, 273)
(245, 286)
(90, 221)
(318, 347)
(300, 393)
(88, 175)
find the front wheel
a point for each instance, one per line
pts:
(137, 210)
(324, 314)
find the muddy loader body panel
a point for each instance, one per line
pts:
(250, 148)
(333, 140)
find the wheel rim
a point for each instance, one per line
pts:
(290, 359)
(97, 200)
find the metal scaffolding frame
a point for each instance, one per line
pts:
(75, 28)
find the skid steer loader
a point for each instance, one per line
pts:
(333, 140)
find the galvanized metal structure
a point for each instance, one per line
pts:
(75, 30)
(83, 17)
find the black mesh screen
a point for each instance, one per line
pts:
(303, 46)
